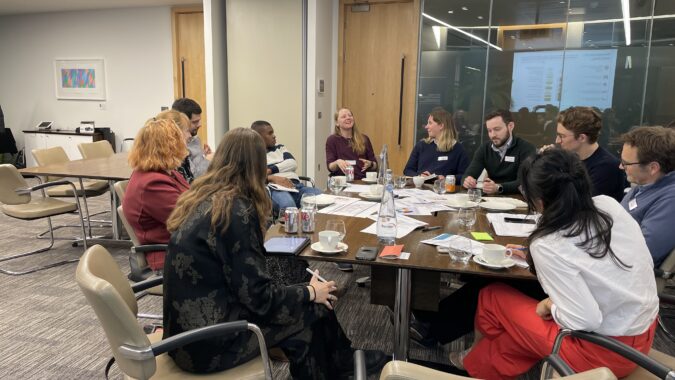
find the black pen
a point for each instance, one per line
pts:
(430, 228)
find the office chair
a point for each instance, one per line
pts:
(141, 356)
(17, 202)
(98, 149)
(663, 273)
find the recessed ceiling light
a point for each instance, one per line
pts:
(465, 8)
(480, 17)
(451, 12)
(513, 37)
(563, 2)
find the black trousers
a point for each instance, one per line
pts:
(457, 311)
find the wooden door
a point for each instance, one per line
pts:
(377, 47)
(188, 62)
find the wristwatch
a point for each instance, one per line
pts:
(500, 189)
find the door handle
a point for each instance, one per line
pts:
(400, 100)
(182, 76)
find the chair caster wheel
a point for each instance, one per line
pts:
(74, 244)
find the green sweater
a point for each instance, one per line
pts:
(503, 172)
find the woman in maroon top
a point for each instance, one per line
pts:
(155, 184)
(347, 146)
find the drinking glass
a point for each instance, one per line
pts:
(308, 200)
(334, 186)
(467, 217)
(281, 218)
(461, 250)
(439, 186)
(400, 182)
(475, 195)
(336, 225)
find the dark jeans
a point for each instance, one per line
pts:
(456, 312)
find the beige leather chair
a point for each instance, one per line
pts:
(141, 356)
(98, 149)
(17, 202)
(399, 370)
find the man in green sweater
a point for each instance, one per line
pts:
(500, 157)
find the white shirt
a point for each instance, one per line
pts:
(597, 294)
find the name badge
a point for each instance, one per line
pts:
(632, 204)
(351, 162)
(509, 159)
(443, 158)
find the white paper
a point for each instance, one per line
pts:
(340, 202)
(354, 188)
(503, 228)
(359, 209)
(404, 226)
(457, 242)
(276, 187)
(404, 256)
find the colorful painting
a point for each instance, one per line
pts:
(78, 78)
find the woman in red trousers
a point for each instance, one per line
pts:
(593, 263)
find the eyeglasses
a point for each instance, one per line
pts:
(624, 163)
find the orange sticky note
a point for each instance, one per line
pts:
(391, 251)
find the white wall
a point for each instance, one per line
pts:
(321, 64)
(136, 46)
(264, 62)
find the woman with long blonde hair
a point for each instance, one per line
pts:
(347, 146)
(155, 184)
(439, 153)
(215, 272)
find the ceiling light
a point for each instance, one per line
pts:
(465, 8)
(437, 35)
(461, 31)
(451, 12)
(625, 9)
(480, 17)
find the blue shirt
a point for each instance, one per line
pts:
(653, 207)
(426, 157)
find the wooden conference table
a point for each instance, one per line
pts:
(424, 260)
(112, 169)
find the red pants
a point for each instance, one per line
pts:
(515, 338)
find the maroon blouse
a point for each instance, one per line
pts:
(337, 147)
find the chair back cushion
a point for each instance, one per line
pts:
(109, 294)
(127, 226)
(668, 265)
(10, 180)
(98, 149)
(121, 189)
(48, 156)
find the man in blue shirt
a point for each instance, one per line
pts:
(648, 158)
(199, 154)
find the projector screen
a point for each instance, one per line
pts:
(587, 78)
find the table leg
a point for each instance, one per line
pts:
(402, 314)
(114, 203)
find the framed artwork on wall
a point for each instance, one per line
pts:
(81, 79)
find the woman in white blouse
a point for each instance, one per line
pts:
(593, 263)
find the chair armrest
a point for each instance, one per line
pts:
(660, 273)
(559, 365)
(149, 248)
(147, 284)
(360, 372)
(305, 178)
(40, 186)
(195, 335)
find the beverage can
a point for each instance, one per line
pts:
(450, 184)
(307, 219)
(291, 220)
(349, 173)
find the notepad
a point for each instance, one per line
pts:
(391, 251)
(481, 236)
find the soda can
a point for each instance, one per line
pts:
(291, 220)
(349, 173)
(450, 185)
(307, 221)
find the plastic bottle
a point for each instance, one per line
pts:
(386, 218)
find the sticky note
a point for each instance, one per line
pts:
(391, 251)
(481, 236)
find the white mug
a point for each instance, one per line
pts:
(329, 239)
(375, 189)
(418, 181)
(495, 253)
(371, 176)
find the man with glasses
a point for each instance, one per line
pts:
(648, 158)
(199, 154)
(577, 131)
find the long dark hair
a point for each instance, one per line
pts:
(559, 180)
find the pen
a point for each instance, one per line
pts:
(431, 228)
(314, 274)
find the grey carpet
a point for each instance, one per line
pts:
(47, 330)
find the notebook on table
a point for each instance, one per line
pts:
(286, 246)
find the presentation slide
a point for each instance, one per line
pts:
(583, 78)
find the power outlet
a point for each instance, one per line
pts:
(102, 106)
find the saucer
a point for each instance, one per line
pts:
(341, 247)
(321, 199)
(516, 202)
(506, 263)
(369, 180)
(370, 196)
(460, 204)
(497, 206)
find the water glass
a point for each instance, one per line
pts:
(460, 251)
(308, 200)
(400, 182)
(439, 186)
(466, 217)
(334, 185)
(336, 225)
(475, 195)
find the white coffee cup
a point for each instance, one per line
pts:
(371, 176)
(340, 179)
(375, 189)
(495, 253)
(418, 181)
(463, 198)
(329, 239)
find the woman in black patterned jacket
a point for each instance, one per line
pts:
(215, 272)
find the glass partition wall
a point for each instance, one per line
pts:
(536, 57)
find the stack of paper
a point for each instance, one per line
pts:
(404, 225)
(456, 242)
(503, 228)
